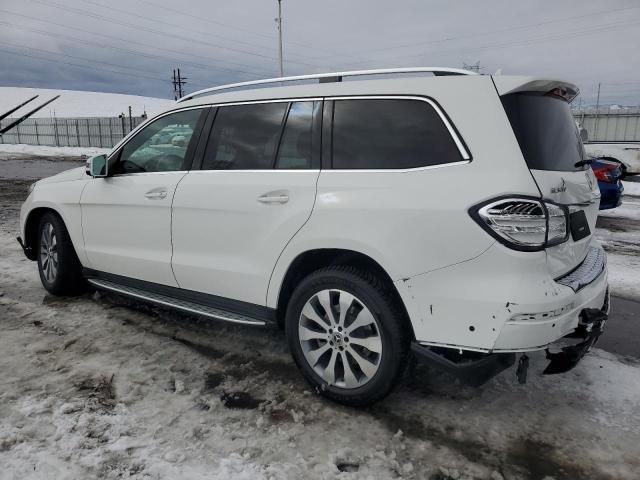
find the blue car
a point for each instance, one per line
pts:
(608, 174)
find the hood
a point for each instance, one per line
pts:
(68, 175)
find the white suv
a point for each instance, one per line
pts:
(448, 215)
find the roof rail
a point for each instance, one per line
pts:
(332, 77)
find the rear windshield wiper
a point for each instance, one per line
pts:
(582, 163)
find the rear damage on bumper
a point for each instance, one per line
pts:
(563, 316)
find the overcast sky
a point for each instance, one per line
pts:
(130, 46)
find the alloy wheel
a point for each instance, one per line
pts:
(49, 253)
(340, 338)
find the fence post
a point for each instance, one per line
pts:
(78, 132)
(18, 132)
(111, 143)
(100, 131)
(55, 131)
(35, 124)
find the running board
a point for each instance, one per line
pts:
(172, 302)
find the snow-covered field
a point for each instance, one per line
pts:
(103, 387)
(50, 152)
(75, 103)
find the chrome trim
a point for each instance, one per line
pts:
(318, 76)
(461, 148)
(455, 347)
(160, 301)
(593, 265)
(266, 100)
(466, 155)
(393, 170)
(133, 174)
(255, 170)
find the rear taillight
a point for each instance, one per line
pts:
(606, 171)
(523, 223)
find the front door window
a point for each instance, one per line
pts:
(161, 146)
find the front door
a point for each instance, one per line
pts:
(126, 217)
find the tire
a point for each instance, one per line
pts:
(58, 265)
(373, 318)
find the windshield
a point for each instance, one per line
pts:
(546, 131)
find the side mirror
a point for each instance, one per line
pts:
(97, 166)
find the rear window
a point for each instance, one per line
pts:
(389, 133)
(244, 137)
(546, 131)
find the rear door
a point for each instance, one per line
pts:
(553, 150)
(255, 189)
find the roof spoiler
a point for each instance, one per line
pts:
(509, 84)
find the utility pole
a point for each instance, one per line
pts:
(279, 20)
(130, 119)
(178, 81)
(595, 126)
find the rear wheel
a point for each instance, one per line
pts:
(347, 334)
(58, 265)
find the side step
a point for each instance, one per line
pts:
(172, 302)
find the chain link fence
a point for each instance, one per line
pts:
(103, 132)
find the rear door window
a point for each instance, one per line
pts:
(546, 131)
(390, 134)
(295, 150)
(244, 137)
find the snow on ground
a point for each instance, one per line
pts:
(102, 387)
(619, 232)
(75, 103)
(46, 151)
(632, 188)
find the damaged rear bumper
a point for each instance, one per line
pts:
(591, 326)
(475, 368)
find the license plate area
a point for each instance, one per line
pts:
(578, 225)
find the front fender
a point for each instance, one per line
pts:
(62, 198)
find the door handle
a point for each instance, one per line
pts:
(156, 195)
(274, 197)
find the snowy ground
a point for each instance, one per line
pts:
(102, 387)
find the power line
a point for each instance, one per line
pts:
(169, 24)
(209, 20)
(541, 39)
(81, 41)
(133, 42)
(488, 32)
(127, 69)
(100, 62)
(91, 67)
(165, 34)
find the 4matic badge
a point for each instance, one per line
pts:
(560, 189)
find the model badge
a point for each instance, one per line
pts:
(560, 189)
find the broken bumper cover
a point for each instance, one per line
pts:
(592, 323)
(28, 251)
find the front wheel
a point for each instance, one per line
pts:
(347, 334)
(58, 265)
